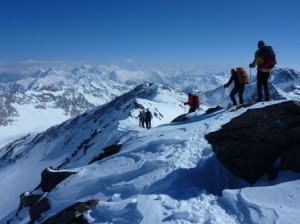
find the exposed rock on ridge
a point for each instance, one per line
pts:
(51, 178)
(73, 214)
(251, 143)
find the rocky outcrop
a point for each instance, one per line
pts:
(73, 214)
(51, 177)
(38, 208)
(36, 204)
(108, 151)
(213, 109)
(8, 112)
(250, 144)
(182, 117)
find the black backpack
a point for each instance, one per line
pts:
(269, 58)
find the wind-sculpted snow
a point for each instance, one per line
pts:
(168, 167)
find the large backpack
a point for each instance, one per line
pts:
(242, 75)
(194, 101)
(268, 56)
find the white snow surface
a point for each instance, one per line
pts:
(36, 111)
(31, 121)
(166, 174)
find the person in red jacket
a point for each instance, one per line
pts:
(193, 102)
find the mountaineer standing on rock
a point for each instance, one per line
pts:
(265, 61)
(240, 78)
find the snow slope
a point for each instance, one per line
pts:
(31, 103)
(38, 101)
(167, 174)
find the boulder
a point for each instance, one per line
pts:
(213, 109)
(36, 204)
(108, 151)
(73, 214)
(38, 208)
(182, 117)
(28, 200)
(51, 177)
(250, 144)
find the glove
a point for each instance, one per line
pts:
(251, 65)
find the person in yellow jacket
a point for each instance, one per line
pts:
(263, 73)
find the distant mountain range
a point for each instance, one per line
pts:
(33, 102)
(76, 91)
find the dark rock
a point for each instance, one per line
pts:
(181, 117)
(213, 109)
(138, 106)
(108, 151)
(38, 208)
(50, 178)
(249, 144)
(290, 159)
(29, 200)
(37, 204)
(73, 214)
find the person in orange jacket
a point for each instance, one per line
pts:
(238, 88)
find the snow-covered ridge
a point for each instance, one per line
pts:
(169, 169)
(112, 122)
(33, 102)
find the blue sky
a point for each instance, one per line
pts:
(149, 32)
